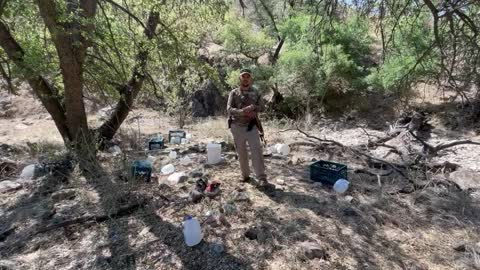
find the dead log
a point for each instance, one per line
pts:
(431, 150)
(370, 158)
(122, 211)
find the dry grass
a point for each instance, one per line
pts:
(375, 230)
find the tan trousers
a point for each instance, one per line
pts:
(241, 136)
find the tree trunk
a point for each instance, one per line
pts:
(71, 48)
(42, 89)
(132, 88)
(276, 55)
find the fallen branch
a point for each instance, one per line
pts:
(395, 167)
(433, 150)
(123, 211)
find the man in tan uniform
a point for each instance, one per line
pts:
(243, 105)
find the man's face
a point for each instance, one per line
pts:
(245, 80)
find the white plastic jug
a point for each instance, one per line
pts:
(214, 153)
(340, 186)
(172, 155)
(192, 231)
(168, 169)
(282, 149)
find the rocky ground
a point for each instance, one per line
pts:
(64, 220)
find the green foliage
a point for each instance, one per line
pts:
(328, 60)
(410, 59)
(240, 36)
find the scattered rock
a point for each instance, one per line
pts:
(8, 186)
(28, 172)
(177, 178)
(280, 182)
(229, 209)
(65, 194)
(115, 150)
(252, 233)
(317, 184)
(475, 196)
(195, 174)
(350, 212)
(468, 247)
(312, 250)
(295, 160)
(466, 179)
(349, 199)
(241, 197)
(217, 248)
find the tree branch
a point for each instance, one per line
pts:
(132, 87)
(42, 88)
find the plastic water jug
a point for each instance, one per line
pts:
(341, 186)
(192, 231)
(172, 155)
(282, 149)
(214, 153)
(168, 169)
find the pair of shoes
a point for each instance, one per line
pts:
(212, 190)
(203, 188)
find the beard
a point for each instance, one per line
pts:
(245, 84)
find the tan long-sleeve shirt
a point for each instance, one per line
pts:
(238, 99)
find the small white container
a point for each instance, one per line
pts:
(282, 149)
(341, 185)
(172, 155)
(168, 169)
(192, 232)
(214, 153)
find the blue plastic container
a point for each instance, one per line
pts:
(327, 172)
(142, 169)
(156, 144)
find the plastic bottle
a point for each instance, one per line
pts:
(214, 152)
(192, 231)
(341, 185)
(172, 155)
(168, 169)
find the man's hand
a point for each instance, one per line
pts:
(249, 108)
(250, 114)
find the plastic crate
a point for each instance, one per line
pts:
(176, 133)
(327, 172)
(142, 169)
(155, 144)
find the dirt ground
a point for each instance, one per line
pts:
(372, 226)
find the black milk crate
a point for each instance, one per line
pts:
(327, 172)
(176, 133)
(155, 144)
